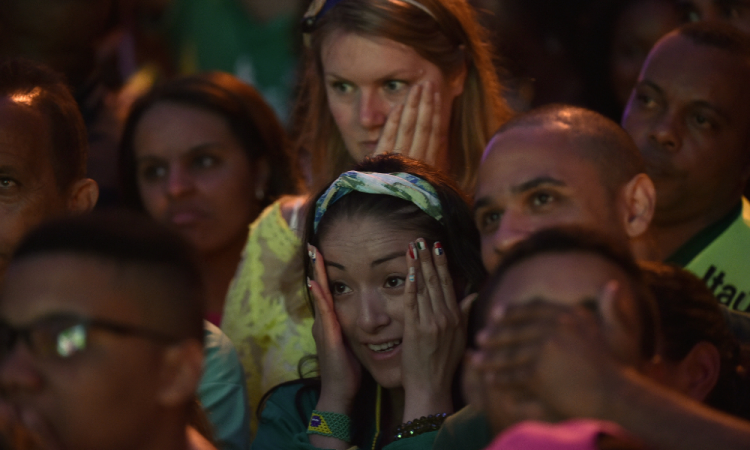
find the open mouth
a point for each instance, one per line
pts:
(384, 347)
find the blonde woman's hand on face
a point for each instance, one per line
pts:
(340, 371)
(434, 332)
(414, 128)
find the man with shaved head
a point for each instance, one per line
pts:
(560, 165)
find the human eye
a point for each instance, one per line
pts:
(394, 86)
(339, 288)
(394, 281)
(541, 198)
(153, 171)
(341, 87)
(59, 336)
(688, 11)
(488, 220)
(205, 161)
(703, 120)
(7, 182)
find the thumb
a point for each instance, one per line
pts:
(466, 304)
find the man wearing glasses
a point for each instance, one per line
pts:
(101, 336)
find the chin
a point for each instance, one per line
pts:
(390, 379)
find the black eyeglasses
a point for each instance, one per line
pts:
(64, 335)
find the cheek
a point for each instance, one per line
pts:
(346, 314)
(342, 113)
(153, 198)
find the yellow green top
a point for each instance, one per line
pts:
(266, 314)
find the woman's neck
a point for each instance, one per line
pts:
(217, 269)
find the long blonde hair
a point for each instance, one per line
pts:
(449, 38)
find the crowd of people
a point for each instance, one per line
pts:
(428, 255)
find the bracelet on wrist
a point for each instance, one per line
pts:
(420, 426)
(330, 424)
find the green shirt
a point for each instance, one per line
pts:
(720, 255)
(284, 420)
(467, 429)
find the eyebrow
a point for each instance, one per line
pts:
(695, 103)
(396, 74)
(535, 183)
(523, 187)
(191, 152)
(384, 259)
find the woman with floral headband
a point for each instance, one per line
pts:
(392, 249)
(412, 77)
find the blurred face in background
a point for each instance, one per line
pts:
(194, 176)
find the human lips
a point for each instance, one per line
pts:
(384, 347)
(185, 216)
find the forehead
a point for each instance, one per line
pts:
(64, 283)
(167, 125)
(24, 138)
(523, 154)
(709, 74)
(364, 239)
(355, 56)
(561, 278)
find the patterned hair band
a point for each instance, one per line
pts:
(401, 185)
(318, 8)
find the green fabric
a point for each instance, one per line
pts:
(700, 241)
(222, 391)
(220, 35)
(282, 427)
(467, 429)
(724, 263)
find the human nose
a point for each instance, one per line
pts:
(513, 228)
(179, 182)
(373, 110)
(18, 372)
(665, 133)
(372, 314)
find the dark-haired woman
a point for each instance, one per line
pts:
(392, 253)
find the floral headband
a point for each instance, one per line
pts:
(318, 8)
(401, 185)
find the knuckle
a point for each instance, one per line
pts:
(433, 279)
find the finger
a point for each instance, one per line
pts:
(509, 359)
(432, 282)
(514, 336)
(436, 132)
(411, 307)
(423, 126)
(446, 281)
(319, 271)
(466, 305)
(424, 304)
(405, 134)
(388, 135)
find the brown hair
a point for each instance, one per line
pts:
(449, 38)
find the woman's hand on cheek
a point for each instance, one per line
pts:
(414, 128)
(434, 332)
(340, 372)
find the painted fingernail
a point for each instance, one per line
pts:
(309, 285)
(311, 253)
(421, 245)
(412, 251)
(412, 274)
(438, 249)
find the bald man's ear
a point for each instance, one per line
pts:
(699, 371)
(180, 373)
(82, 196)
(638, 204)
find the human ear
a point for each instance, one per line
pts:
(180, 374)
(638, 204)
(262, 174)
(82, 196)
(699, 370)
